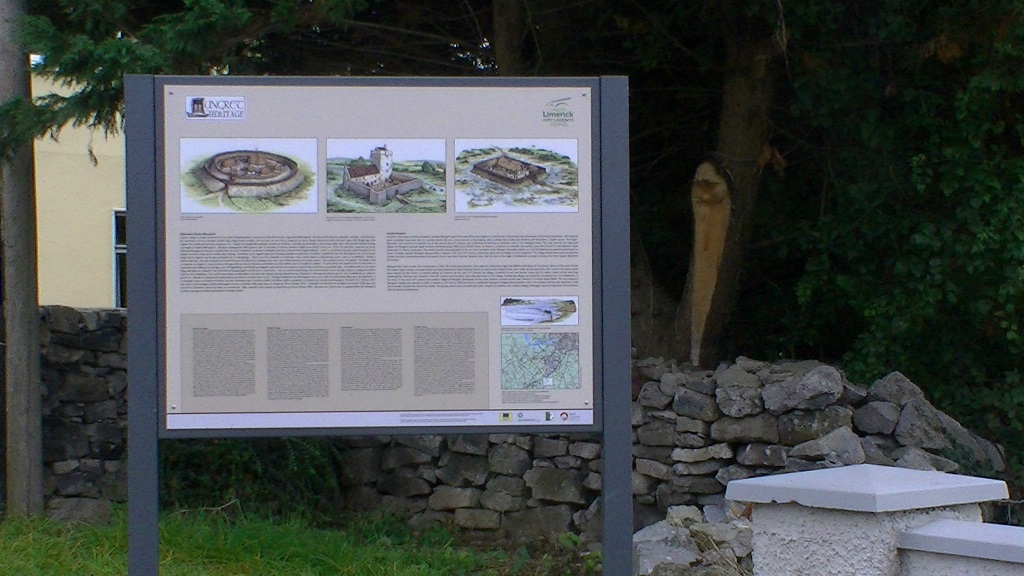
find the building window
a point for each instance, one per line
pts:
(120, 260)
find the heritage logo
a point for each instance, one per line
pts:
(558, 112)
(215, 107)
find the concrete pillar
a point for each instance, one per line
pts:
(847, 521)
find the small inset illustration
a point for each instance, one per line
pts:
(516, 175)
(540, 361)
(544, 310)
(248, 175)
(386, 176)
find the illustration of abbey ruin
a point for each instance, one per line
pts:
(510, 171)
(377, 182)
(515, 176)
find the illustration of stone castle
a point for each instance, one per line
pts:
(377, 183)
(509, 171)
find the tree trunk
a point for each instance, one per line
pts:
(22, 403)
(743, 134)
(651, 308)
(509, 33)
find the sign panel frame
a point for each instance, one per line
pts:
(234, 98)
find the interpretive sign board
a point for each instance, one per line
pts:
(330, 256)
(339, 254)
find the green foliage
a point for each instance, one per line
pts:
(215, 545)
(896, 238)
(268, 475)
(89, 45)
(891, 237)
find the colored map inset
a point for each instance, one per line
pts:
(540, 361)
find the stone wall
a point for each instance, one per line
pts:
(84, 410)
(694, 431)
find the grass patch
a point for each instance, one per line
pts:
(214, 544)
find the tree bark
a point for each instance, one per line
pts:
(651, 308)
(23, 398)
(509, 20)
(744, 131)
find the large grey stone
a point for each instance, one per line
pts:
(402, 456)
(458, 469)
(751, 365)
(403, 483)
(873, 454)
(657, 433)
(763, 427)
(853, 395)
(668, 495)
(508, 485)
(735, 375)
(695, 404)
(683, 516)
(82, 386)
(450, 498)
(800, 426)
(698, 484)
(717, 451)
(758, 454)
(477, 519)
(555, 485)
(509, 460)
(687, 440)
(549, 447)
(652, 396)
(896, 388)
(653, 468)
(661, 544)
(923, 426)
(427, 443)
(566, 462)
(726, 534)
(88, 510)
(659, 453)
(699, 468)
(469, 444)
(652, 368)
(534, 523)
(917, 459)
(878, 417)
(810, 390)
(734, 472)
(692, 426)
(840, 446)
(739, 401)
(642, 484)
(586, 450)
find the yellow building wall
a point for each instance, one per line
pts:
(75, 203)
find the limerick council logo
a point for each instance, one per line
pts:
(558, 112)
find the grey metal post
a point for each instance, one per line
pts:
(617, 492)
(143, 352)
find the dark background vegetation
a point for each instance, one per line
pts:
(888, 232)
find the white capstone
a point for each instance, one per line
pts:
(868, 488)
(984, 541)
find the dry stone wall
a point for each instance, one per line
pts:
(84, 411)
(693, 432)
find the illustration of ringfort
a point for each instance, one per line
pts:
(251, 180)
